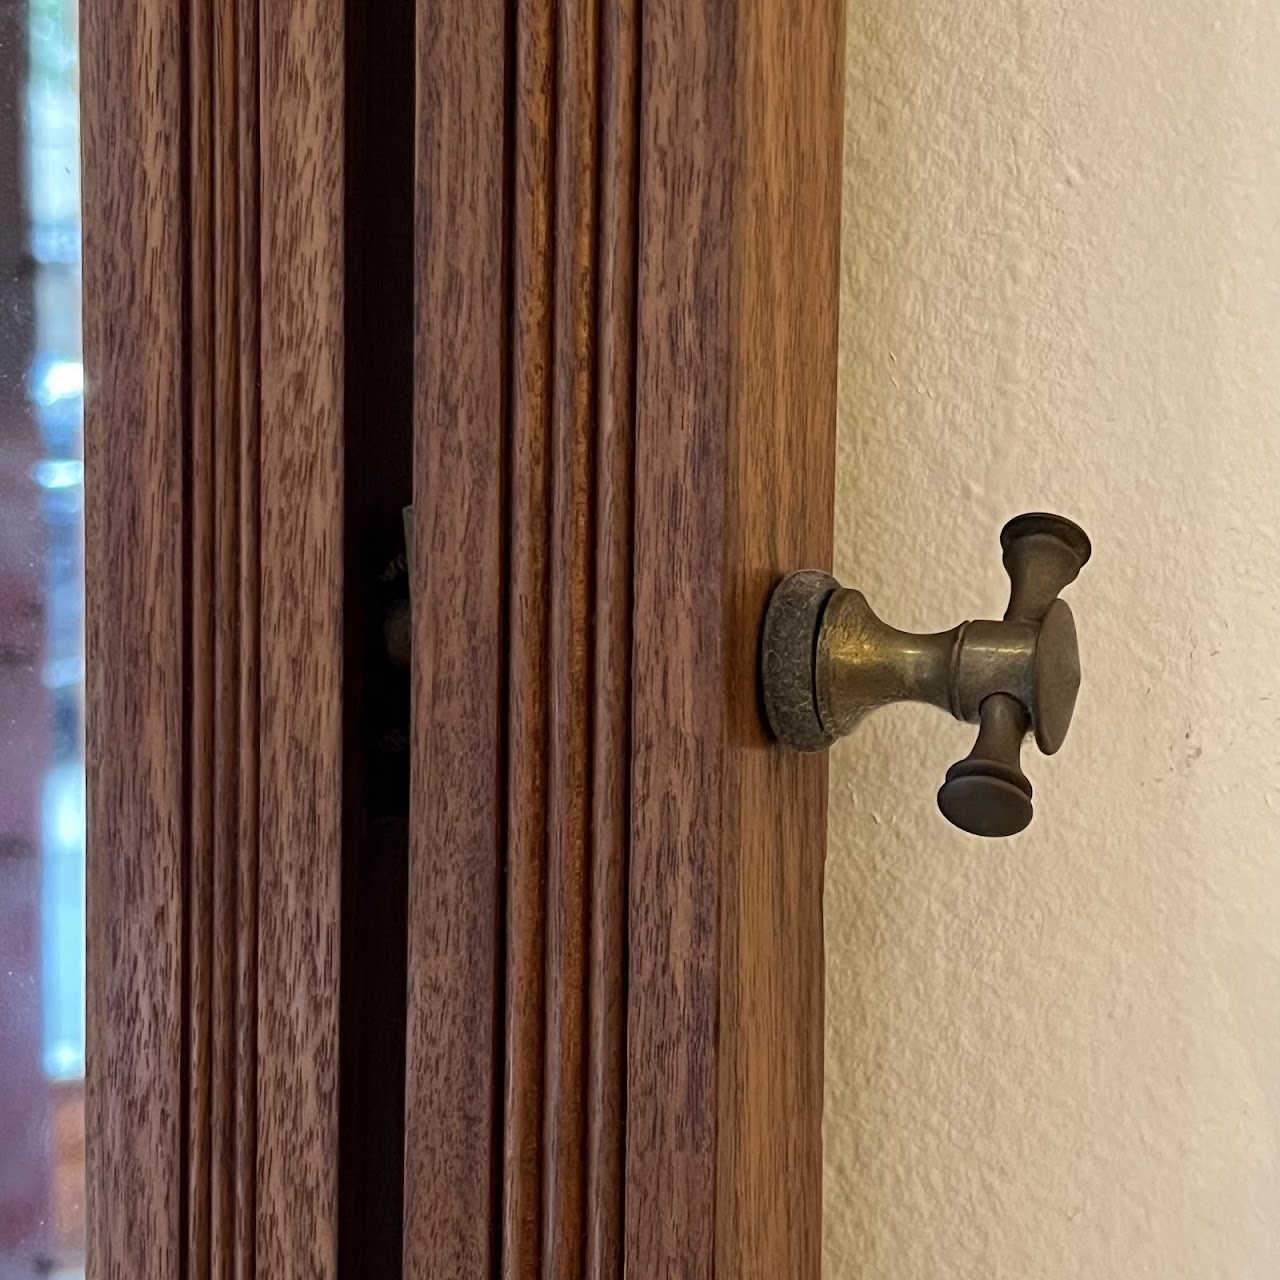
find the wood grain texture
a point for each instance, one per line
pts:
(135, 636)
(222, 427)
(550, 905)
(569, 658)
(613, 482)
(213, 316)
(784, 307)
(735, 446)
(302, 96)
(635, 935)
(458, 809)
(528, 712)
(683, 388)
(205, 879)
(242, 1242)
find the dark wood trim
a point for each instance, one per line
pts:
(135, 635)
(514, 1127)
(528, 713)
(741, 128)
(301, 503)
(627, 271)
(214, 313)
(609, 625)
(626, 240)
(458, 818)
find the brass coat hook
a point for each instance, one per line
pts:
(827, 661)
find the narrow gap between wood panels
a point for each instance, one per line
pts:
(377, 462)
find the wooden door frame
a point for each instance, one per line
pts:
(628, 260)
(626, 269)
(213, 281)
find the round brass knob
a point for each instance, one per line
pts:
(986, 793)
(985, 804)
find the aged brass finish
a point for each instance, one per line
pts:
(827, 661)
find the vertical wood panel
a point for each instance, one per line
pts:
(204, 878)
(569, 655)
(532, 270)
(611, 722)
(222, 428)
(682, 456)
(230, 173)
(301, 722)
(543, 891)
(214, 607)
(735, 404)
(245, 519)
(217, 946)
(645, 929)
(784, 303)
(134, 638)
(453, 1087)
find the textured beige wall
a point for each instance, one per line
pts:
(1058, 1057)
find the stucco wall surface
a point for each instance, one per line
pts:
(1058, 1057)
